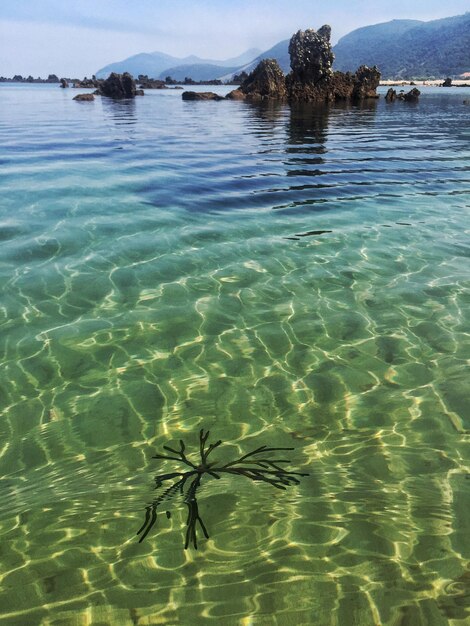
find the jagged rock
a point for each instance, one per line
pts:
(447, 82)
(311, 56)
(200, 95)
(366, 81)
(411, 96)
(312, 78)
(63, 83)
(118, 86)
(325, 32)
(84, 97)
(267, 80)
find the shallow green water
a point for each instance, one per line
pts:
(282, 277)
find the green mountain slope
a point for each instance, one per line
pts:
(407, 48)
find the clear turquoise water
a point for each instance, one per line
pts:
(162, 270)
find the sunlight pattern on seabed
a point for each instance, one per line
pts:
(283, 277)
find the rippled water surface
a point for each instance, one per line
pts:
(281, 276)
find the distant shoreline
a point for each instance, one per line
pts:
(383, 83)
(423, 83)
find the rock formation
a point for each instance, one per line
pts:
(267, 80)
(86, 83)
(118, 86)
(311, 78)
(200, 95)
(150, 83)
(63, 83)
(84, 97)
(411, 96)
(366, 81)
(236, 94)
(311, 56)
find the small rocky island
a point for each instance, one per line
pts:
(311, 79)
(117, 86)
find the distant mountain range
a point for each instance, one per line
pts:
(197, 71)
(160, 65)
(400, 48)
(280, 52)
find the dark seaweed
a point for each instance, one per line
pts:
(251, 465)
(313, 232)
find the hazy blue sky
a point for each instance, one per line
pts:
(77, 37)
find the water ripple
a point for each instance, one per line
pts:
(281, 276)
